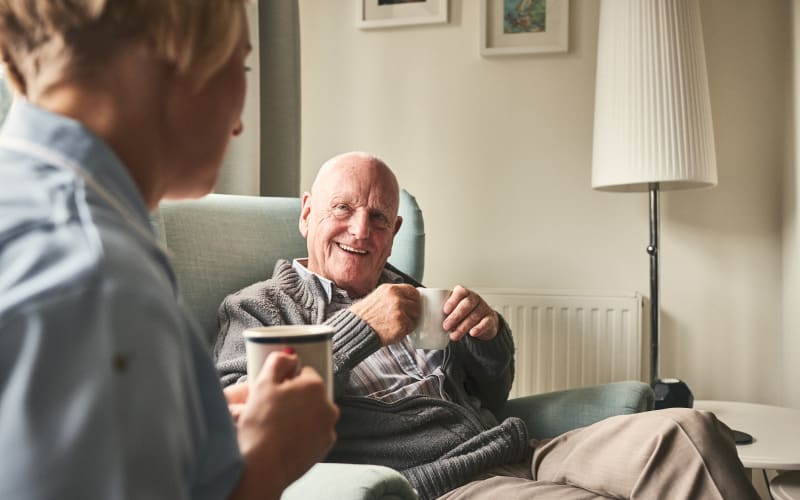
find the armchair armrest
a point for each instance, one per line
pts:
(553, 413)
(350, 482)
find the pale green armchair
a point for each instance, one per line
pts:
(222, 243)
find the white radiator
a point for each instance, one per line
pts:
(568, 339)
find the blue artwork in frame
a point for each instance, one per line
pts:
(524, 16)
(516, 27)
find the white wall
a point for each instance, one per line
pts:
(498, 153)
(748, 54)
(240, 172)
(791, 228)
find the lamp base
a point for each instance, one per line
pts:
(672, 393)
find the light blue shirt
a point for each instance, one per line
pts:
(106, 389)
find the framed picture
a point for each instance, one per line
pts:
(510, 27)
(387, 13)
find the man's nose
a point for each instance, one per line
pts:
(359, 224)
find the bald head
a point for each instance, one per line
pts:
(349, 220)
(360, 164)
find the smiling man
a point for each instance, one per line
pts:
(396, 400)
(428, 413)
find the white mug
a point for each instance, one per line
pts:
(312, 343)
(429, 333)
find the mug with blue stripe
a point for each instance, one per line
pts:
(312, 343)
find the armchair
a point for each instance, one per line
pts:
(222, 243)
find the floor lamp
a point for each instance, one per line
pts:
(652, 124)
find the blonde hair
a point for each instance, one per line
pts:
(44, 40)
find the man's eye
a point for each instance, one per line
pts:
(341, 209)
(380, 220)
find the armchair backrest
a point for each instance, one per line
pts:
(222, 243)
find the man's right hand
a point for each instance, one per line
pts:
(391, 310)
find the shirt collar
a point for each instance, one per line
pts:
(330, 287)
(71, 139)
(299, 265)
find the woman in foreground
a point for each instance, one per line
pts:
(105, 389)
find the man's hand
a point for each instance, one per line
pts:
(391, 310)
(284, 422)
(467, 313)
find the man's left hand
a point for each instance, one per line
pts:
(467, 313)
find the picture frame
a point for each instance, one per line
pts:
(390, 13)
(514, 27)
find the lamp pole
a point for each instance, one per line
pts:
(655, 308)
(669, 392)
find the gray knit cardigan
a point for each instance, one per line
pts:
(437, 445)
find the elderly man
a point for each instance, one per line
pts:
(428, 413)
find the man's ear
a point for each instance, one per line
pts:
(305, 211)
(397, 224)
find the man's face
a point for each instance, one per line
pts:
(349, 221)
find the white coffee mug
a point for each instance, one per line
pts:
(312, 343)
(429, 333)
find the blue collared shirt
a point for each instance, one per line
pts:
(106, 389)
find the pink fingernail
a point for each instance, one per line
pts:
(289, 350)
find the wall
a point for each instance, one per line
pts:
(240, 172)
(748, 54)
(498, 152)
(5, 95)
(791, 229)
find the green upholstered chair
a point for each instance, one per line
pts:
(222, 243)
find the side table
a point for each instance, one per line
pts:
(775, 431)
(786, 486)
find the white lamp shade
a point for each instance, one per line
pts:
(652, 121)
